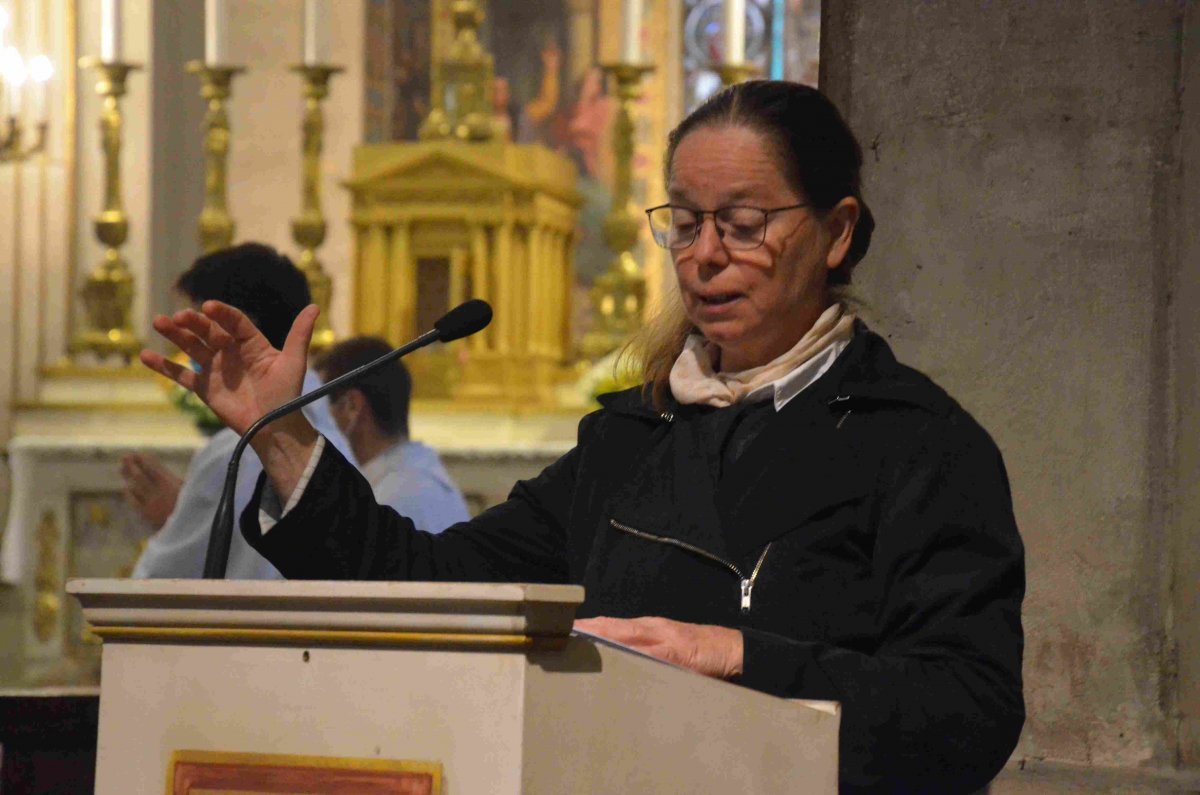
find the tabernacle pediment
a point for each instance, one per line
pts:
(488, 165)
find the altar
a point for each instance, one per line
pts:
(68, 518)
(398, 232)
(513, 176)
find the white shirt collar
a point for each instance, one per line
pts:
(785, 388)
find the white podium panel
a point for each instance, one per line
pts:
(479, 683)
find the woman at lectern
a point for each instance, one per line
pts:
(783, 504)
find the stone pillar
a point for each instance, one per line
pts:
(1185, 297)
(1033, 256)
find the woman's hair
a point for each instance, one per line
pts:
(821, 159)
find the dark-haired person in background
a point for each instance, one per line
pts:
(373, 416)
(272, 291)
(782, 504)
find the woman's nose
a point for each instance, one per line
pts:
(708, 248)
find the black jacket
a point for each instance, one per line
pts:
(868, 529)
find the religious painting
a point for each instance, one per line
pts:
(219, 773)
(551, 91)
(396, 77)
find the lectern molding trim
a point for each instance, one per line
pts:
(128, 634)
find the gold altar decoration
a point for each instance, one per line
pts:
(619, 294)
(308, 229)
(463, 214)
(108, 291)
(736, 72)
(461, 82)
(438, 222)
(216, 225)
(13, 138)
(47, 578)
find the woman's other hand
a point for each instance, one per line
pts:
(150, 488)
(705, 648)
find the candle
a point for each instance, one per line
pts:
(110, 31)
(735, 31)
(316, 33)
(14, 74)
(214, 33)
(631, 29)
(40, 71)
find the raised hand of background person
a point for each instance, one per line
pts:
(242, 377)
(150, 488)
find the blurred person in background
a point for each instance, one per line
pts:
(373, 416)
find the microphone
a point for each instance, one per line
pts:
(461, 321)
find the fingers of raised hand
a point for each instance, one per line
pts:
(185, 340)
(184, 376)
(300, 335)
(211, 334)
(232, 321)
(132, 468)
(128, 463)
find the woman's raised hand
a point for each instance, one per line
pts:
(241, 376)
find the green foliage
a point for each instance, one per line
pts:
(187, 402)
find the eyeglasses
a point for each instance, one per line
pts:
(740, 228)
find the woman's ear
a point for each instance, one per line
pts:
(354, 403)
(840, 221)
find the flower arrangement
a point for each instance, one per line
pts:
(609, 374)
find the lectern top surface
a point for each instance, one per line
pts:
(324, 589)
(512, 614)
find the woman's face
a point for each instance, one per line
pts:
(754, 305)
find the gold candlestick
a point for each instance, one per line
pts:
(736, 72)
(308, 229)
(619, 294)
(216, 225)
(108, 292)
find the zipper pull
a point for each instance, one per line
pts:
(667, 416)
(747, 587)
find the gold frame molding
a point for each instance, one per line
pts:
(330, 637)
(357, 764)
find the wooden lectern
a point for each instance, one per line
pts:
(453, 688)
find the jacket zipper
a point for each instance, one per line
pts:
(747, 583)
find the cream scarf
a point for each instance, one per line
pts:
(693, 379)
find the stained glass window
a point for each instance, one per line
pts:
(782, 40)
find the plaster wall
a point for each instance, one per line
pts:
(34, 236)
(1023, 165)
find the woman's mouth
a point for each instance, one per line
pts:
(720, 299)
(717, 304)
